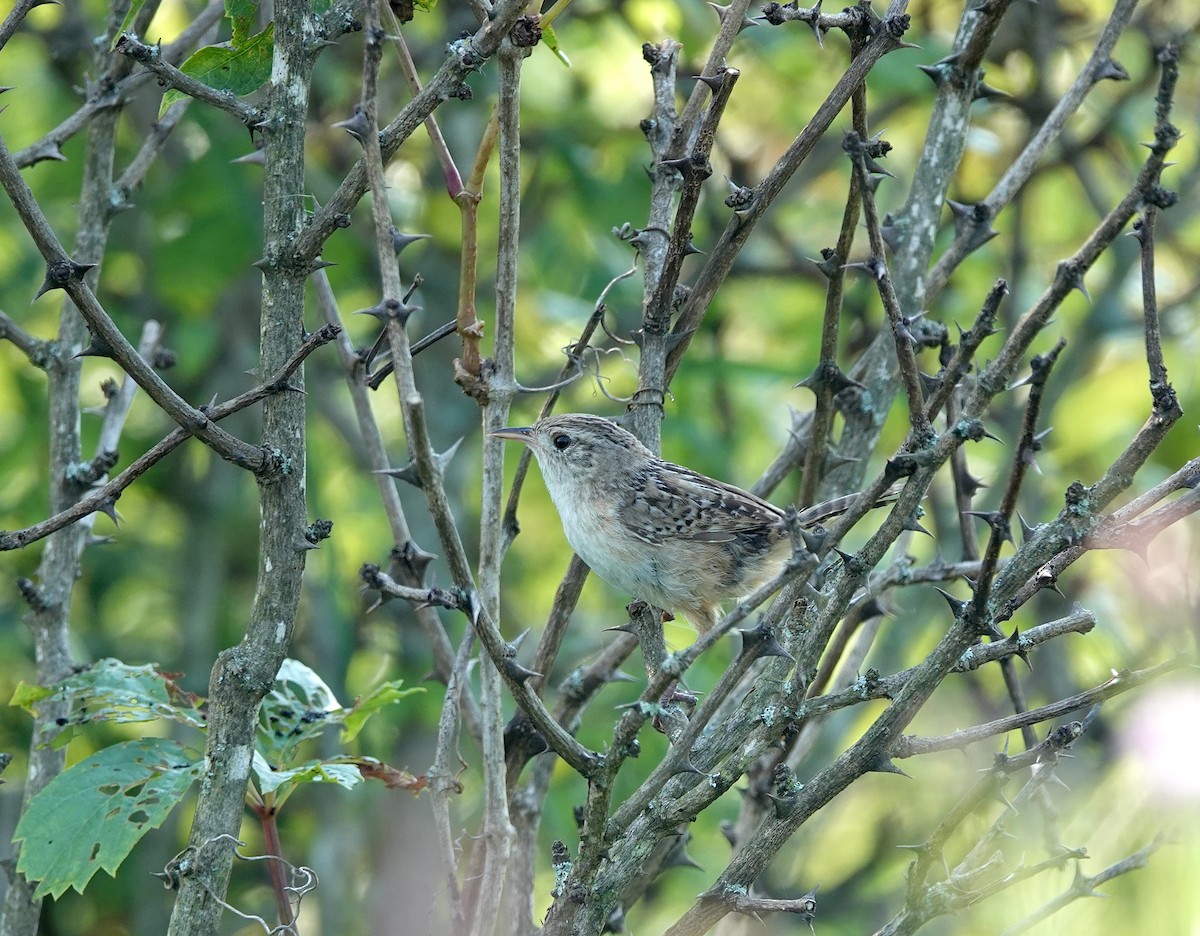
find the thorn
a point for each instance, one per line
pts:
(883, 764)
(912, 524)
(814, 538)
(1045, 578)
(515, 644)
(1073, 277)
(413, 558)
(678, 857)
(938, 73)
(690, 167)
(829, 262)
(60, 273)
(1110, 70)
(873, 167)
(1015, 639)
(357, 125)
(985, 92)
(929, 382)
(622, 629)
(970, 484)
(1024, 381)
(97, 347)
(108, 507)
(957, 605)
(848, 559)
(257, 158)
(815, 23)
(902, 466)
(873, 265)
(761, 641)
(517, 672)
(390, 309)
(400, 241)
(784, 805)
(723, 11)
(409, 472)
(994, 519)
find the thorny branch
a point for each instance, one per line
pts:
(104, 496)
(730, 730)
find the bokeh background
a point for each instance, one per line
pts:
(174, 585)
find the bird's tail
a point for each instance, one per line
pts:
(810, 516)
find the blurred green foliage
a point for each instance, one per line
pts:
(175, 584)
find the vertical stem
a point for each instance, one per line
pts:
(243, 674)
(498, 833)
(49, 621)
(823, 385)
(268, 816)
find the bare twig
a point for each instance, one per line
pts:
(721, 257)
(1019, 171)
(1119, 683)
(65, 273)
(1084, 886)
(32, 348)
(463, 57)
(910, 374)
(109, 492)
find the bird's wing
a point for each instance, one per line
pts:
(670, 501)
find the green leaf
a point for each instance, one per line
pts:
(25, 695)
(110, 690)
(313, 771)
(91, 815)
(387, 694)
(551, 41)
(297, 709)
(242, 14)
(134, 9)
(237, 69)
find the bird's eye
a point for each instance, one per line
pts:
(561, 441)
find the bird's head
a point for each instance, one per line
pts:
(578, 451)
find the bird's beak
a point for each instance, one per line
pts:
(515, 433)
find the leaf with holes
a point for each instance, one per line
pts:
(110, 690)
(296, 710)
(271, 780)
(242, 14)
(91, 815)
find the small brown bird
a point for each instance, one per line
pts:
(663, 533)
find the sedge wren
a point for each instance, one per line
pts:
(663, 533)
